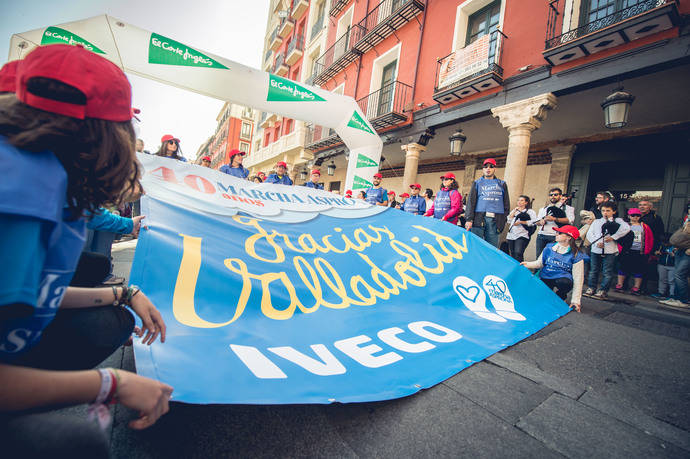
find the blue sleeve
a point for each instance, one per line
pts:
(383, 197)
(106, 221)
(22, 253)
(422, 207)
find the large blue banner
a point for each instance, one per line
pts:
(346, 303)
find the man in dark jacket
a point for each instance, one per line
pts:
(488, 205)
(651, 219)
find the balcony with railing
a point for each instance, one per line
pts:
(274, 41)
(387, 17)
(295, 50)
(299, 7)
(268, 62)
(286, 144)
(470, 70)
(280, 68)
(337, 6)
(387, 106)
(286, 27)
(316, 28)
(338, 56)
(319, 137)
(573, 32)
(269, 119)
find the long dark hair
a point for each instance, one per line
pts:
(97, 155)
(162, 151)
(526, 198)
(453, 186)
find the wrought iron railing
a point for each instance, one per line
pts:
(316, 133)
(280, 60)
(381, 12)
(391, 98)
(268, 55)
(296, 43)
(477, 58)
(264, 115)
(284, 21)
(339, 48)
(274, 35)
(316, 28)
(557, 14)
(337, 6)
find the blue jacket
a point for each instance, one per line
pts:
(239, 172)
(107, 221)
(284, 180)
(316, 186)
(415, 205)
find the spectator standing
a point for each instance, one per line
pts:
(206, 161)
(488, 205)
(362, 195)
(314, 180)
(556, 213)
(235, 167)
(448, 203)
(666, 269)
(651, 219)
(256, 179)
(603, 235)
(415, 204)
(261, 175)
(562, 265)
(681, 242)
(429, 197)
(600, 198)
(391, 200)
(586, 218)
(280, 175)
(170, 148)
(521, 221)
(633, 261)
(377, 195)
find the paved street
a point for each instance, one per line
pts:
(611, 382)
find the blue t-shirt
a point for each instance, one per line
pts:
(376, 195)
(239, 172)
(37, 240)
(415, 205)
(316, 186)
(558, 265)
(442, 203)
(489, 195)
(107, 221)
(274, 178)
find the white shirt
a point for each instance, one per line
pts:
(517, 231)
(548, 228)
(594, 236)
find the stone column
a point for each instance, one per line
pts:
(561, 156)
(521, 118)
(470, 172)
(412, 152)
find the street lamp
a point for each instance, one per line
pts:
(303, 174)
(457, 140)
(617, 108)
(331, 168)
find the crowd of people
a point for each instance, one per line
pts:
(60, 317)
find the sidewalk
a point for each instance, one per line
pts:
(612, 381)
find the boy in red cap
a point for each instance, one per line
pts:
(70, 120)
(488, 205)
(562, 265)
(235, 167)
(376, 195)
(448, 203)
(280, 175)
(415, 204)
(314, 180)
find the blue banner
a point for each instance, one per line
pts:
(347, 306)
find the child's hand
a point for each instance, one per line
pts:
(576, 307)
(600, 245)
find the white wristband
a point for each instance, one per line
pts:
(106, 384)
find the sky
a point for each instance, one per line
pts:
(233, 29)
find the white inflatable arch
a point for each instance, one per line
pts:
(164, 59)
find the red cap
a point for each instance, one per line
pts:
(167, 137)
(489, 161)
(8, 77)
(261, 174)
(416, 185)
(448, 175)
(634, 211)
(206, 158)
(348, 193)
(568, 229)
(281, 163)
(405, 195)
(392, 192)
(235, 151)
(377, 175)
(107, 90)
(317, 172)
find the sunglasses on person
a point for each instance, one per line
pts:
(554, 194)
(489, 166)
(172, 142)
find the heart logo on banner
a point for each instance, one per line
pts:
(465, 292)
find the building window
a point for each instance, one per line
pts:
(483, 22)
(244, 146)
(288, 127)
(295, 74)
(334, 186)
(267, 138)
(246, 132)
(593, 10)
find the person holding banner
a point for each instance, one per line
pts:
(377, 195)
(235, 167)
(448, 203)
(415, 204)
(562, 265)
(314, 180)
(488, 205)
(280, 175)
(206, 161)
(170, 148)
(70, 120)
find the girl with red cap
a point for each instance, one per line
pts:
(67, 148)
(562, 265)
(170, 148)
(235, 167)
(448, 203)
(633, 259)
